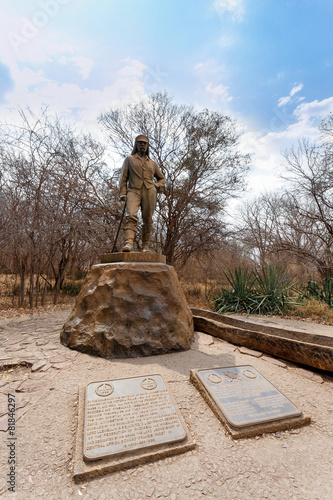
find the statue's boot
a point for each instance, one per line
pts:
(129, 238)
(145, 241)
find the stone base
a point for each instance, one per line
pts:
(109, 258)
(84, 470)
(129, 309)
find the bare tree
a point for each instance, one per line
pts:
(259, 222)
(298, 221)
(310, 198)
(197, 152)
(55, 198)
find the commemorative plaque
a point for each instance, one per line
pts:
(128, 415)
(245, 401)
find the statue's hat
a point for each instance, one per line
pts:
(142, 138)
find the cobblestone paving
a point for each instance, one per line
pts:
(44, 377)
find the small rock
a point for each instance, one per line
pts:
(60, 366)
(37, 366)
(150, 492)
(250, 352)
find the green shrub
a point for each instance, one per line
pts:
(259, 291)
(240, 298)
(321, 292)
(273, 288)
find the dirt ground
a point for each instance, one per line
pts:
(296, 464)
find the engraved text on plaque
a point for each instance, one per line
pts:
(129, 414)
(245, 397)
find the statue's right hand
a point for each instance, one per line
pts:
(123, 197)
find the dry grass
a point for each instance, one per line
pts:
(8, 310)
(7, 283)
(8, 303)
(314, 310)
(196, 294)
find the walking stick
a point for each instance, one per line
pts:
(121, 220)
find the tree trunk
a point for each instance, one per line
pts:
(22, 285)
(32, 285)
(37, 283)
(45, 286)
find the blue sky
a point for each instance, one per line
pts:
(267, 63)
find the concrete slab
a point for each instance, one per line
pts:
(286, 324)
(293, 345)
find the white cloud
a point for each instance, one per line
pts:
(209, 67)
(219, 91)
(308, 116)
(22, 42)
(210, 75)
(233, 7)
(296, 89)
(285, 100)
(82, 105)
(84, 64)
(17, 45)
(132, 69)
(308, 111)
(35, 84)
(267, 147)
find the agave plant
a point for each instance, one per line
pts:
(327, 291)
(273, 288)
(260, 291)
(240, 297)
(324, 293)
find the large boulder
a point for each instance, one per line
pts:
(129, 309)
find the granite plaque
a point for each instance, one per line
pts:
(246, 397)
(129, 414)
(246, 401)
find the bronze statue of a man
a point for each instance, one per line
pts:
(138, 189)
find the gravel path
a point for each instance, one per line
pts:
(295, 464)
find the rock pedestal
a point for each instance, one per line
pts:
(129, 309)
